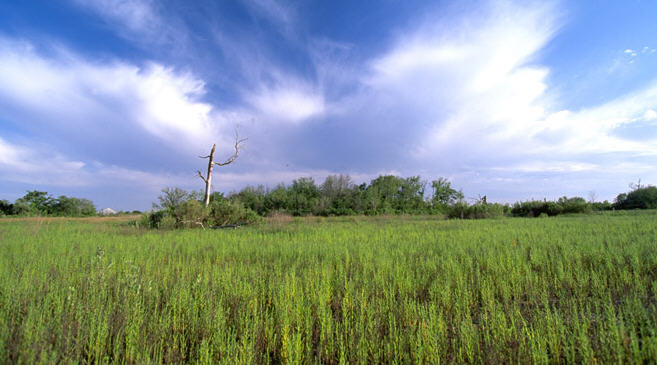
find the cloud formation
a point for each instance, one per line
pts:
(464, 92)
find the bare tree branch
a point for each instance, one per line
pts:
(238, 147)
(208, 178)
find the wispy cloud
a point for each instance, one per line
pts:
(278, 12)
(140, 21)
(293, 103)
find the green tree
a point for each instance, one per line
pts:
(171, 198)
(642, 197)
(444, 195)
(6, 208)
(253, 198)
(303, 196)
(72, 207)
(276, 199)
(339, 196)
(36, 202)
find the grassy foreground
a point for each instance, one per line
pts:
(349, 290)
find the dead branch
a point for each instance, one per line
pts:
(208, 178)
(238, 147)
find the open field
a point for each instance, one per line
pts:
(354, 290)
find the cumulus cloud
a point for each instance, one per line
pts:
(68, 94)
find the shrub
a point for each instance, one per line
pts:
(168, 222)
(574, 205)
(475, 211)
(535, 208)
(144, 221)
(481, 211)
(191, 213)
(223, 212)
(6, 208)
(155, 218)
(639, 198)
(600, 206)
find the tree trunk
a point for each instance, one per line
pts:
(208, 179)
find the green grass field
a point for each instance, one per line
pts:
(344, 290)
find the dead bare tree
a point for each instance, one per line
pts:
(208, 178)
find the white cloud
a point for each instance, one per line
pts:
(135, 16)
(273, 10)
(38, 165)
(471, 80)
(294, 103)
(649, 115)
(549, 167)
(67, 92)
(485, 97)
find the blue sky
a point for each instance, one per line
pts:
(113, 100)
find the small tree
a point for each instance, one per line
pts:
(208, 177)
(171, 198)
(444, 194)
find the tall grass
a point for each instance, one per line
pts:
(576, 289)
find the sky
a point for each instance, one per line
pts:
(114, 100)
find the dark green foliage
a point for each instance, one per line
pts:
(155, 218)
(190, 213)
(639, 198)
(71, 207)
(479, 210)
(444, 195)
(574, 205)
(36, 202)
(182, 209)
(276, 200)
(303, 197)
(564, 205)
(602, 206)
(224, 212)
(395, 195)
(6, 208)
(253, 198)
(40, 203)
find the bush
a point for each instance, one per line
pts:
(639, 198)
(191, 213)
(6, 208)
(223, 212)
(144, 221)
(482, 211)
(168, 222)
(600, 206)
(536, 208)
(155, 218)
(476, 211)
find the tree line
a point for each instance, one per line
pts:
(40, 203)
(338, 195)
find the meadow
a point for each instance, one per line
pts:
(578, 289)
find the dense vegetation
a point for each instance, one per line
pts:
(39, 203)
(385, 195)
(578, 289)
